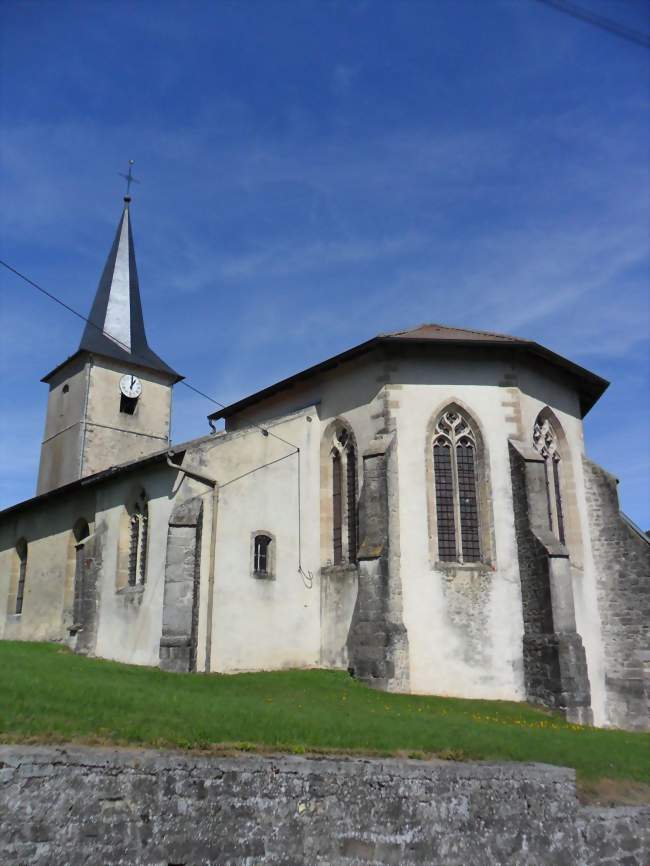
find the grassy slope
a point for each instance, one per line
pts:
(49, 694)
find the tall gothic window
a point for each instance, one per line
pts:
(139, 527)
(21, 551)
(545, 441)
(455, 479)
(344, 498)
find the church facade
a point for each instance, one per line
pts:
(419, 509)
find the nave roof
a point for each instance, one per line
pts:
(589, 385)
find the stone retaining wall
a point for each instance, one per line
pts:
(78, 805)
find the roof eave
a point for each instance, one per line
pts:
(596, 384)
(89, 480)
(284, 384)
(168, 371)
(593, 386)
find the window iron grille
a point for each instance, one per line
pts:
(337, 509)
(454, 470)
(261, 554)
(352, 504)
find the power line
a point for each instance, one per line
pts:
(306, 576)
(264, 430)
(582, 14)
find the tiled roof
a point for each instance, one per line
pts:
(443, 332)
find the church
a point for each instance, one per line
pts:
(419, 510)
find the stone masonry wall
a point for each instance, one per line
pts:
(533, 563)
(555, 665)
(85, 637)
(78, 805)
(378, 640)
(622, 560)
(182, 581)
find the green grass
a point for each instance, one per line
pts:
(48, 694)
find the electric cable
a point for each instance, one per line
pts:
(307, 577)
(589, 17)
(264, 430)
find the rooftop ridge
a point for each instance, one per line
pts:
(590, 385)
(440, 327)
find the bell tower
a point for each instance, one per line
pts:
(110, 402)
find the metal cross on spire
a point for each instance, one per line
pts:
(129, 178)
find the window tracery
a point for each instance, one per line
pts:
(546, 443)
(455, 480)
(344, 498)
(139, 531)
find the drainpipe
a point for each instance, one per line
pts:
(211, 483)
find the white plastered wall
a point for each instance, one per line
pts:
(263, 623)
(260, 624)
(465, 626)
(47, 529)
(443, 659)
(130, 620)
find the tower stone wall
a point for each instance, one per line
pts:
(92, 422)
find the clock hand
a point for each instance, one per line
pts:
(132, 380)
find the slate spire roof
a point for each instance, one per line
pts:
(116, 326)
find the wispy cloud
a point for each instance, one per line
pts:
(292, 207)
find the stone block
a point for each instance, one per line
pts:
(143, 807)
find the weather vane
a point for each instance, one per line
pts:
(129, 178)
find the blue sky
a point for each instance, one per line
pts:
(313, 173)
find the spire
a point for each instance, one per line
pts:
(116, 326)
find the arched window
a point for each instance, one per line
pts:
(344, 498)
(455, 480)
(545, 441)
(139, 526)
(261, 555)
(21, 556)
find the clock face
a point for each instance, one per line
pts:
(130, 386)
